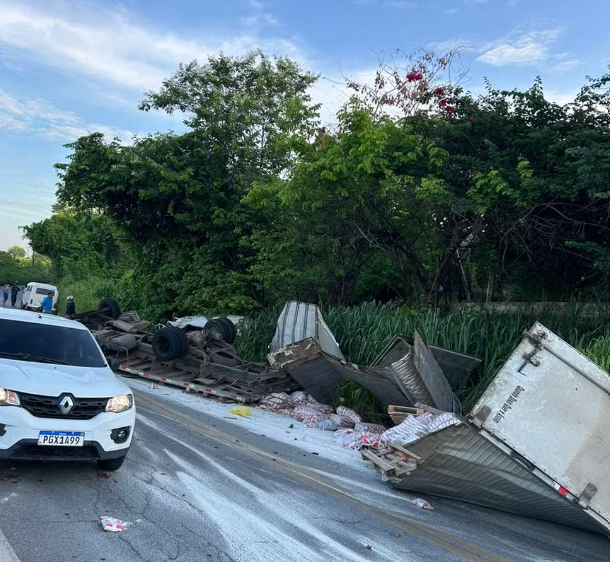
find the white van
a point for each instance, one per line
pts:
(33, 294)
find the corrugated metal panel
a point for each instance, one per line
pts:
(409, 380)
(395, 350)
(433, 378)
(459, 463)
(300, 321)
(455, 366)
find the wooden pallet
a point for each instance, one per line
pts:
(393, 462)
(400, 413)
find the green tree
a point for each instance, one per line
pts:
(16, 252)
(178, 198)
(78, 244)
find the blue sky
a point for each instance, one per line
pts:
(68, 67)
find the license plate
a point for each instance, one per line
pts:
(61, 438)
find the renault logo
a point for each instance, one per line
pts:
(66, 404)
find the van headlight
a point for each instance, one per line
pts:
(8, 398)
(119, 404)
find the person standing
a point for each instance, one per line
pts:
(7, 288)
(14, 293)
(47, 303)
(70, 306)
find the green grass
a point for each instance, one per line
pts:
(352, 395)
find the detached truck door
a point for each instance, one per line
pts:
(552, 406)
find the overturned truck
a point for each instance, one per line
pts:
(194, 353)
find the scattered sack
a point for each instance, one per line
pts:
(371, 440)
(242, 411)
(352, 439)
(347, 438)
(370, 428)
(277, 401)
(310, 416)
(320, 407)
(111, 524)
(327, 425)
(299, 397)
(342, 421)
(343, 411)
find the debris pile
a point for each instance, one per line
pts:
(537, 443)
(193, 353)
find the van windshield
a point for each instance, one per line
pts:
(43, 343)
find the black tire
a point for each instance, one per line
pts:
(219, 329)
(111, 465)
(232, 329)
(112, 306)
(169, 343)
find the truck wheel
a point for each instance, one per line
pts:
(220, 329)
(112, 305)
(232, 329)
(169, 343)
(111, 465)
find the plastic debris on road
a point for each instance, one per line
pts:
(242, 411)
(350, 431)
(421, 503)
(111, 524)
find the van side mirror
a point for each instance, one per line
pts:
(114, 364)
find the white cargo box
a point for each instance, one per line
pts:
(550, 405)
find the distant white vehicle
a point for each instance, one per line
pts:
(33, 294)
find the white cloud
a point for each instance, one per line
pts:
(530, 48)
(107, 45)
(527, 49)
(40, 118)
(259, 18)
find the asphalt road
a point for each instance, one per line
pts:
(198, 488)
